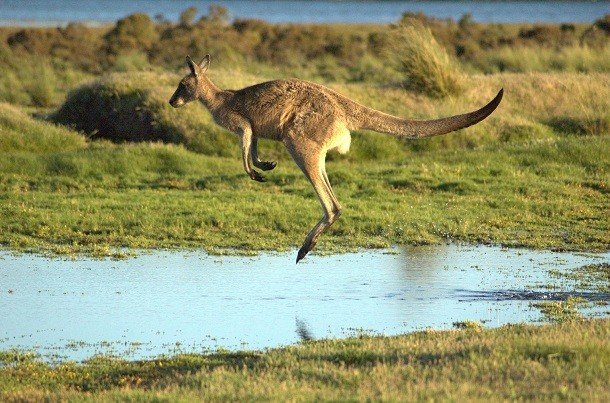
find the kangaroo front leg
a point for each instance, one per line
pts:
(246, 148)
(264, 165)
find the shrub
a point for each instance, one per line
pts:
(466, 21)
(541, 34)
(603, 24)
(133, 61)
(134, 107)
(598, 33)
(426, 66)
(187, 17)
(217, 14)
(136, 31)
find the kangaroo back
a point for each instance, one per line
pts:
(363, 117)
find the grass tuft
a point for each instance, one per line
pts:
(426, 65)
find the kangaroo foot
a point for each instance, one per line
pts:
(301, 254)
(267, 165)
(254, 175)
(305, 249)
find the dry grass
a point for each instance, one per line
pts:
(527, 59)
(426, 65)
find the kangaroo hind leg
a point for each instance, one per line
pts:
(312, 164)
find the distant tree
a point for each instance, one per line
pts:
(466, 21)
(217, 14)
(136, 31)
(187, 17)
(160, 18)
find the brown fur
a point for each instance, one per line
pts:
(310, 120)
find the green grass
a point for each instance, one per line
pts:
(550, 194)
(21, 133)
(134, 107)
(518, 179)
(569, 361)
(36, 81)
(561, 311)
(592, 277)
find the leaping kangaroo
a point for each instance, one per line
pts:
(310, 120)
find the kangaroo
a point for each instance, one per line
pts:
(310, 120)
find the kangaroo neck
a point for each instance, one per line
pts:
(210, 93)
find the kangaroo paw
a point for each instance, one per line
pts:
(267, 165)
(254, 175)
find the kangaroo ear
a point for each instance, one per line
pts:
(194, 68)
(205, 63)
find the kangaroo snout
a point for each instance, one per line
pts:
(176, 102)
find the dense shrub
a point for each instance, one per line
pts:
(187, 17)
(597, 34)
(288, 45)
(136, 31)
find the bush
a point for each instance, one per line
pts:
(134, 107)
(541, 34)
(598, 33)
(187, 17)
(217, 14)
(136, 31)
(426, 66)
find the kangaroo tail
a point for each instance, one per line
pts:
(371, 119)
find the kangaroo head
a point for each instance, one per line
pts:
(189, 88)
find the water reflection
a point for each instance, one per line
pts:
(175, 301)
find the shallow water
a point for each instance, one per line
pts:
(176, 301)
(19, 12)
